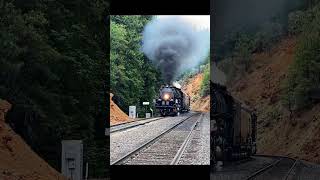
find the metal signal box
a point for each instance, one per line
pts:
(72, 159)
(132, 112)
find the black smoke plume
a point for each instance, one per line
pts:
(174, 46)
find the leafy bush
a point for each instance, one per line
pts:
(304, 73)
(240, 60)
(245, 44)
(205, 84)
(299, 21)
(227, 66)
(271, 115)
(296, 20)
(268, 34)
(195, 98)
(243, 50)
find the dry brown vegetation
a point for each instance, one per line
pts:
(298, 137)
(17, 160)
(192, 88)
(116, 114)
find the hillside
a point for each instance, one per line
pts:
(17, 160)
(116, 114)
(192, 87)
(260, 88)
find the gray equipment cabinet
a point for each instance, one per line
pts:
(72, 159)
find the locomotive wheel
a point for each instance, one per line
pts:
(174, 114)
(228, 154)
(163, 113)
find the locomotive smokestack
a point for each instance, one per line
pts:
(174, 46)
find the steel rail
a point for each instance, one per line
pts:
(256, 173)
(137, 120)
(135, 125)
(183, 147)
(290, 170)
(123, 158)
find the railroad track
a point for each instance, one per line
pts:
(280, 169)
(136, 120)
(132, 124)
(139, 153)
(184, 145)
(265, 167)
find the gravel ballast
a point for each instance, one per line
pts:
(198, 149)
(122, 142)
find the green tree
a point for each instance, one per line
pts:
(243, 50)
(304, 73)
(53, 64)
(134, 78)
(205, 84)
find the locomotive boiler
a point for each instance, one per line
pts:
(172, 101)
(233, 127)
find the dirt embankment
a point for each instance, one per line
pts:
(116, 114)
(17, 160)
(192, 88)
(298, 137)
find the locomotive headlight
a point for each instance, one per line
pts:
(166, 96)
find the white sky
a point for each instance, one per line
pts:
(198, 21)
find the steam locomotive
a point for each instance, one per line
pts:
(233, 127)
(172, 101)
